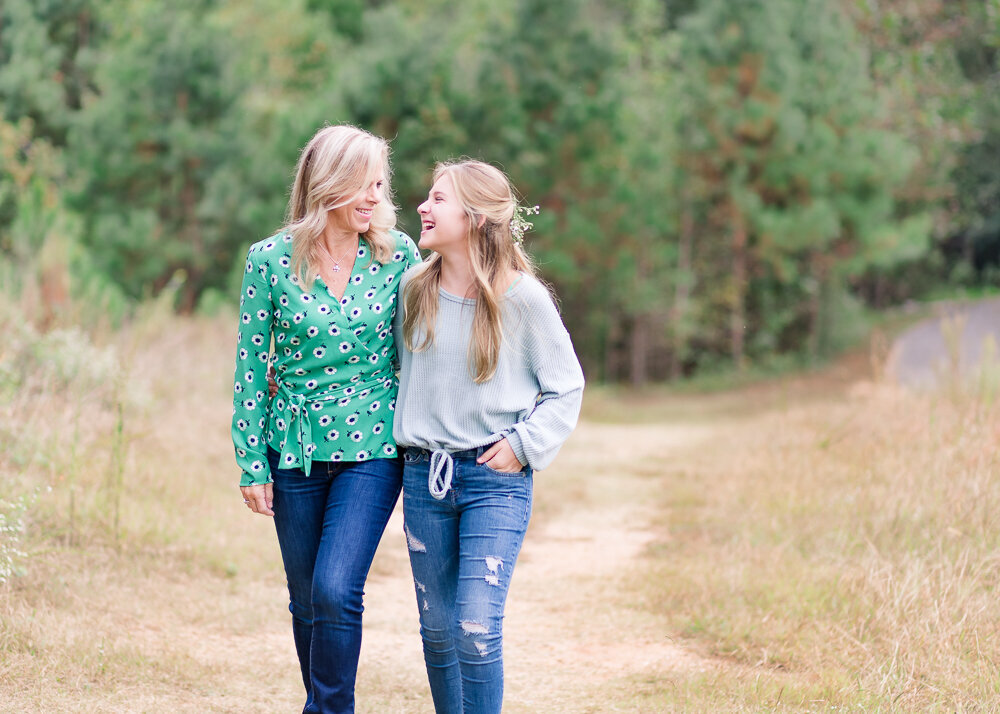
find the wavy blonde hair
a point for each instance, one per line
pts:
(487, 197)
(337, 164)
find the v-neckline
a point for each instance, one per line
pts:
(350, 277)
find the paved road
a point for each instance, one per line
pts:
(920, 356)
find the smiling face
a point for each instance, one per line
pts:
(444, 224)
(355, 216)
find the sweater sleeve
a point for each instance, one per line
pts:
(250, 400)
(549, 351)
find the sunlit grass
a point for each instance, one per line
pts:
(841, 554)
(822, 541)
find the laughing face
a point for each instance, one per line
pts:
(444, 224)
(355, 216)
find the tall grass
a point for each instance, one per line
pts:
(841, 555)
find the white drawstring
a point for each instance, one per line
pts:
(437, 483)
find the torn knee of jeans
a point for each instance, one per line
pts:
(412, 542)
(474, 628)
(420, 585)
(481, 648)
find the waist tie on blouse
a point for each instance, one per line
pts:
(299, 423)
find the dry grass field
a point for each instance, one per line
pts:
(818, 543)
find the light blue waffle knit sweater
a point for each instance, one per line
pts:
(533, 399)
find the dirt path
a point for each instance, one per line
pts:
(569, 634)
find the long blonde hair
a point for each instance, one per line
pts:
(486, 196)
(337, 164)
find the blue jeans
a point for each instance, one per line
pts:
(329, 524)
(462, 552)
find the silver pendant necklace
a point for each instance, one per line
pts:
(336, 263)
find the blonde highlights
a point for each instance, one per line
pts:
(337, 164)
(489, 202)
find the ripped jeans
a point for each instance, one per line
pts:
(462, 552)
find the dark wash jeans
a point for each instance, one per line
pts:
(329, 524)
(462, 552)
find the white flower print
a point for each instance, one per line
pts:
(316, 353)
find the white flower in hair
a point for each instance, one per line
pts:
(519, 225)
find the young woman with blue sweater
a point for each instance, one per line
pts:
(490, 387)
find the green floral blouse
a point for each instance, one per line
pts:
(335, 361)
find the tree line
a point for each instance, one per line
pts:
(722, 184)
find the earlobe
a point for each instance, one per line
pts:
(481, 222)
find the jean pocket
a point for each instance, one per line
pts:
(503, 473)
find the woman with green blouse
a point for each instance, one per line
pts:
(319, 456)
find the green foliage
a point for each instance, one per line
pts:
(797, 175)
(718, 181)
